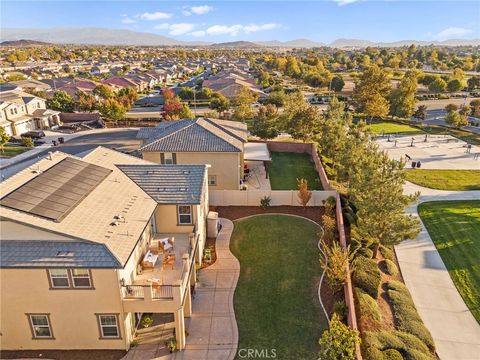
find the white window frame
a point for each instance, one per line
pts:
(60, 277)
(168, 158)
(101, 326)
(87, 276)
(180, 214)
(48, 326)
(214, 182)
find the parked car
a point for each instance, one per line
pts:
(37, 134)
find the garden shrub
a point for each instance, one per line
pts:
(367, 305)
(387, 253)
(365, 252)
(375, 344)
(341, 309)
(367, 275)
(392, 354)
(405, 314)
(389, 267)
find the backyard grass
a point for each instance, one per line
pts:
(276, 303)
(10, 150)
(286, 168)
(454, 227)
(390, 127)
(445, 179)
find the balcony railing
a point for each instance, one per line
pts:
(157, 292)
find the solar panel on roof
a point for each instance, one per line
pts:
(58, 190)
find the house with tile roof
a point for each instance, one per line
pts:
(87, 245)
(218, 143)
(21, 112)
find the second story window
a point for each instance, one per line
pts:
(70, 279)
(168, 158)
(212, 180)
(59, 278)
(81, 278)
(184, 214)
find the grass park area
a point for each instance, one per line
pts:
(445, 179)
(12, 150)
(454, 227)
(390, 127)
(286, 168)
(276, 303)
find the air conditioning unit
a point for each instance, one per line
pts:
(212, 224)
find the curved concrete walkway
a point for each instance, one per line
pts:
(213, 332)
(454, 329)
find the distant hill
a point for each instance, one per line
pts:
(357, 43)
(90, 36)
(123, 37)
(297, 43)
(24, 43)
(237, 45)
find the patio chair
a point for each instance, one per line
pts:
(165, 244)
(168, 261)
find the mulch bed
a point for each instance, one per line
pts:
(64, 354)
(210, 243)
(236, 212)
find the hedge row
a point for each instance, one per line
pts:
(389, 267)
(388, 345)
(369, 316)
(406, 315)
(366, 275)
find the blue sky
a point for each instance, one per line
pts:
(218, 21)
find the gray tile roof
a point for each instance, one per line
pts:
(199, 135)
(55, 253)
(169, 184)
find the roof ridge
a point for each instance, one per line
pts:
(219, 137)
(225, 129)
(172, 133)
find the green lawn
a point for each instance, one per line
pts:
(10, 150)
(286, 168)
(445, 179)
(390, 127)
(454, 227)
(276, 303)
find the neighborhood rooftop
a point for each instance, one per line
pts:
(200, 135)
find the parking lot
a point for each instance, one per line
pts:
(438, 152)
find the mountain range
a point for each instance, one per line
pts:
(103, 36)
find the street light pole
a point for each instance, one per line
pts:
(195, 102)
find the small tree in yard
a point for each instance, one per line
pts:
(27, 142)
(338, 342)
(334, 264)
(4, 137)
(304, 194)
(456, 119)
(421, 112)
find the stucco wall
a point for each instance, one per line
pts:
(72, 312)
(226, 166)
(166, 220)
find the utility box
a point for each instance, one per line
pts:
(212, 224)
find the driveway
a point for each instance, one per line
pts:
(454, 329)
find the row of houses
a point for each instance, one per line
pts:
(229, 81)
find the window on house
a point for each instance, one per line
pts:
(81, 278)
(169, 158)
(184, 214)
(212, 180)
(108, 324)
(59, 278)
(40, 324)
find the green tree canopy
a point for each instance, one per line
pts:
(61, 101)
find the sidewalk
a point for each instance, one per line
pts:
(49, 136)
(454, 329)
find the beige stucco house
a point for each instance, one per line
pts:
(218, 143)
(21, 112)
(89, 244)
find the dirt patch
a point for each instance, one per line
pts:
(236, 212)
(64, 354)
(210, 254)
